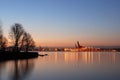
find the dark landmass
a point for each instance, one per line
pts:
(4, 56)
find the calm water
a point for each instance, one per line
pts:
(64, 66)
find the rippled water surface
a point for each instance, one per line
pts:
(64, 66)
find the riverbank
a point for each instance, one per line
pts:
(4, 56)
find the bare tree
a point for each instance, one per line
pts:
(4, 44)
(16, 34)
(21, 40)
(28, 41)
(3, 40)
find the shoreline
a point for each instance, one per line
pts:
(5, 56)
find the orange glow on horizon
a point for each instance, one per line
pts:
(71, 44)
(53, 42)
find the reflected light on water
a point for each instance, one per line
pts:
(83, 57)
(64, 66)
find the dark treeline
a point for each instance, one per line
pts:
(20, 40)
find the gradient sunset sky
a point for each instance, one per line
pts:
(63, 22)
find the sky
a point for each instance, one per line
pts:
(63, 22)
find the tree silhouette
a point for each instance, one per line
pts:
(3, 40)
(21, 40)
(16, 34)
(3, 44)
(28, 41)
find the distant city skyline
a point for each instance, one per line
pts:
(64, 22)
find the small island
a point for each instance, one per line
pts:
(21, 42)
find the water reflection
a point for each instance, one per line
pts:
(2, 66)
(78, 66)
(64, 66)
(16, 70)
(84, 57)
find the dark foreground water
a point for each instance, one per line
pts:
(64, 66)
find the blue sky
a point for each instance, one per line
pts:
(63, 22)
